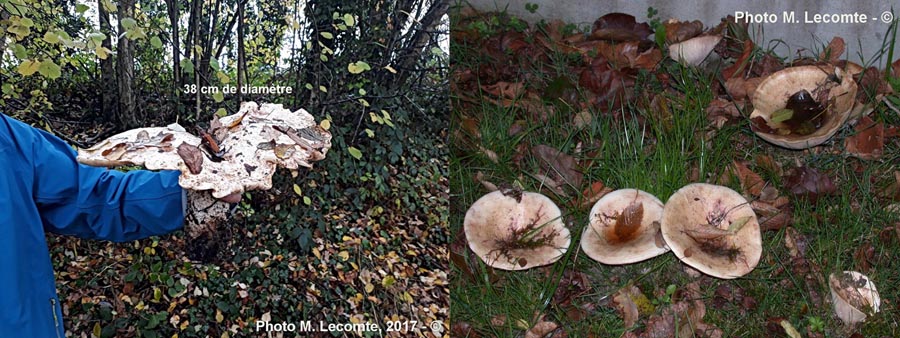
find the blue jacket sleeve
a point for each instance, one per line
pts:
(89, 202)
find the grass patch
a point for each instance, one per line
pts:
(659, 150)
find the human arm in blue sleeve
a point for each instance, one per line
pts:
(89, 202)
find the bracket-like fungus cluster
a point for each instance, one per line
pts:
(802, 107)
(624, 228)
(514, 230)
(238, 152)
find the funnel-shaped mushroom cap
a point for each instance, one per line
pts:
(623, 229)
(693, 51)
(516, 231)
(854, 296)
(713, 229)
(831, 88)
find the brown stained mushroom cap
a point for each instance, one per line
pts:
(516, 235)
(613, 238)
(253, 142)
(695, 225)
(773, 93)
(854, 296)
(693, 51)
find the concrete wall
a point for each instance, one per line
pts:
(799, 34)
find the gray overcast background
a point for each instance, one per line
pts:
(797, 35)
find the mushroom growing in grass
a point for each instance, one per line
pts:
(693, 51)
(624, 228)
(854, 296)
(713, 229)
(514, 230)
(802, 107)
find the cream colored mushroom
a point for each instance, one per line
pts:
(854, 296)
(693, 51)
(624, 228)
(713, 229)
(514, 230)
(773, 93)
(252, 143)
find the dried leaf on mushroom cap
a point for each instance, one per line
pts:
(713, 229)
(623, 228)
(515, 230)
(243, 165)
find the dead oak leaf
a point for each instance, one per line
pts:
(558, 163)
(624, 303)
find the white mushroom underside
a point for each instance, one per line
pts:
(494, 216)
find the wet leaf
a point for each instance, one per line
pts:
(626, 224)
(192, 157)
(115, 152)
(284, 151)
(736, 70)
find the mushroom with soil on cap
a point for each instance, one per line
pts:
(693, 51)
(514, 230)
(854, 296)
(624, 228)
(802, 107)
(713, 229)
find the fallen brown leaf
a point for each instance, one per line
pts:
(593, 193)
(678, 31)
(741, 63)
(502, 89)
(868, 142)
(742, 89)
(808, 183)
(721, 111)
(463, 329)
(864, 256)
(751, 182)
(542, 329)
(620, 27)
(834, 50)
(623, 301)
(559, 164)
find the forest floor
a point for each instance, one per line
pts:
(379, 258)
(551, 109)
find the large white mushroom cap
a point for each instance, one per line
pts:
(253, 142)
(624, 228)
(696, 222)
(516, 231)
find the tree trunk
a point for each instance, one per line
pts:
(109, 107)
(172, 6)
(241, 67)
(128, 110)
(416, 44)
